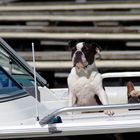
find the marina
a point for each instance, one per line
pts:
(36, 60)
(46, 113)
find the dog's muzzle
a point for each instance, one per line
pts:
(79, 58)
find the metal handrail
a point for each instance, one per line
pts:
(47, 119)
(120, 74)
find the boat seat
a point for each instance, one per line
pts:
(117, 95)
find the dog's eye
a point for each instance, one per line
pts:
(84, 49)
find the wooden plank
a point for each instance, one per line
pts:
(134, 44)
(57, 29)
(74, 12)
(47, 56)
(49, 7)
(67, 36)
(6, 1)
(109, 64)
(53, 42)
(120, 55)
(70, 18)
(66, 55)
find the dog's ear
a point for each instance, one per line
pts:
(130, 87)
(98, 47)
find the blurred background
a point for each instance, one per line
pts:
(51, 24)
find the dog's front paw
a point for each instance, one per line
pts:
(109, 112)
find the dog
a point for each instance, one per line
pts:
(84, 80)
(133, 94)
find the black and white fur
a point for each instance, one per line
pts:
(133, 94)
(84, 80)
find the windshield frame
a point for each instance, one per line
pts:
(20, 61)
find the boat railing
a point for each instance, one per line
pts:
(120, 74)
(47, 119)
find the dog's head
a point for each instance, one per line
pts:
(83, 53)
(130, 87)
(133, 95)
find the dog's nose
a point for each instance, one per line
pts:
(78, 57)
(78, 53)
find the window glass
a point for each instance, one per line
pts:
(19, 74)
(8, 87)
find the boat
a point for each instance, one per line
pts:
(29, 109)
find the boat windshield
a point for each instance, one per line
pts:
(18, 67)
(9, 88)
(14, 69)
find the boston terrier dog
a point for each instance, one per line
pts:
(84, 81)
(133, 94)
